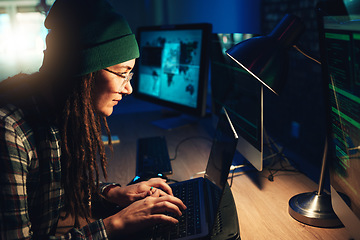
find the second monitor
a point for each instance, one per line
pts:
(173, 67)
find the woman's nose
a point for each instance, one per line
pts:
(127, 89)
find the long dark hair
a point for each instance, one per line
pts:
(81, 130)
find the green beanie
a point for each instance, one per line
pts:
(86, 36)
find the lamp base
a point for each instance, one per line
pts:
(313, 209)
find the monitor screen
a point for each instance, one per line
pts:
(340, 50)
(173, 67)
(241, 95)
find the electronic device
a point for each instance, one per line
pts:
(339, 26)
(173, 68)
(241, 95)
(153, 156)
(207, 191)
(144, 176)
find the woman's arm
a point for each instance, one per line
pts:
(14, 215)
(16, 160)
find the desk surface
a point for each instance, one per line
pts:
(262, 206)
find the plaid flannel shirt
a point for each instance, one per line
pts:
(31, 196)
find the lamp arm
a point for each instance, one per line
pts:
(299, 50)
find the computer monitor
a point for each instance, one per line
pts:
(173, 67)
(236, 90)
(339, 26)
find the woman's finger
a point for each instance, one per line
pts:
(171, 199)
(162, 218)
(160, 183)
(166, 206)
(155, 192)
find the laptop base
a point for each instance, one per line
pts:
(230, 223)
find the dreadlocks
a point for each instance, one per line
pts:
(81, 145)
(81, 130)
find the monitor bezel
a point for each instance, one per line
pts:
(201, 105)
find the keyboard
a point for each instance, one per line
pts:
(153, 156)
(190, 221)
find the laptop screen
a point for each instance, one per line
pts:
(220, 159)
(222, 151)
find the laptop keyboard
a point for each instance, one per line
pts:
(190, 222)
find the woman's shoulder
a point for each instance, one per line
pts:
(13, 120)
(17, 99)
(11, 113)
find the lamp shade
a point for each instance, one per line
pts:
(266, 57)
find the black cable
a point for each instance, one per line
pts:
(184, 140)
(279, 158)
(274, 171)
(232, 177)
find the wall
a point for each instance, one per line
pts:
(226, 15)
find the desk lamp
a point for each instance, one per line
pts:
(266, 59)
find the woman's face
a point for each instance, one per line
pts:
(110, 85)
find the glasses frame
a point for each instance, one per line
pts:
(127, 78)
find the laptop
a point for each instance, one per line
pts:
(199, 220)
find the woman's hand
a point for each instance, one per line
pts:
(143, 214)
(124, 196)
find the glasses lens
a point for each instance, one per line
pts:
(127, 79)
(130, 76)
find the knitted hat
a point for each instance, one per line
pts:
(86, 36)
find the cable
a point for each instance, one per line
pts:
(232, 178)
(274, 171)
(278, 156)
(184, 140)
(233, 168)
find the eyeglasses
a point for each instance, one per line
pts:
(127, 78)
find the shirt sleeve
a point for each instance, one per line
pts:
(94, 230)
(15, 158)
(14, 217)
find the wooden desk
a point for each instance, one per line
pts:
(262, 206)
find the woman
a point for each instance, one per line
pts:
(50, 132)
